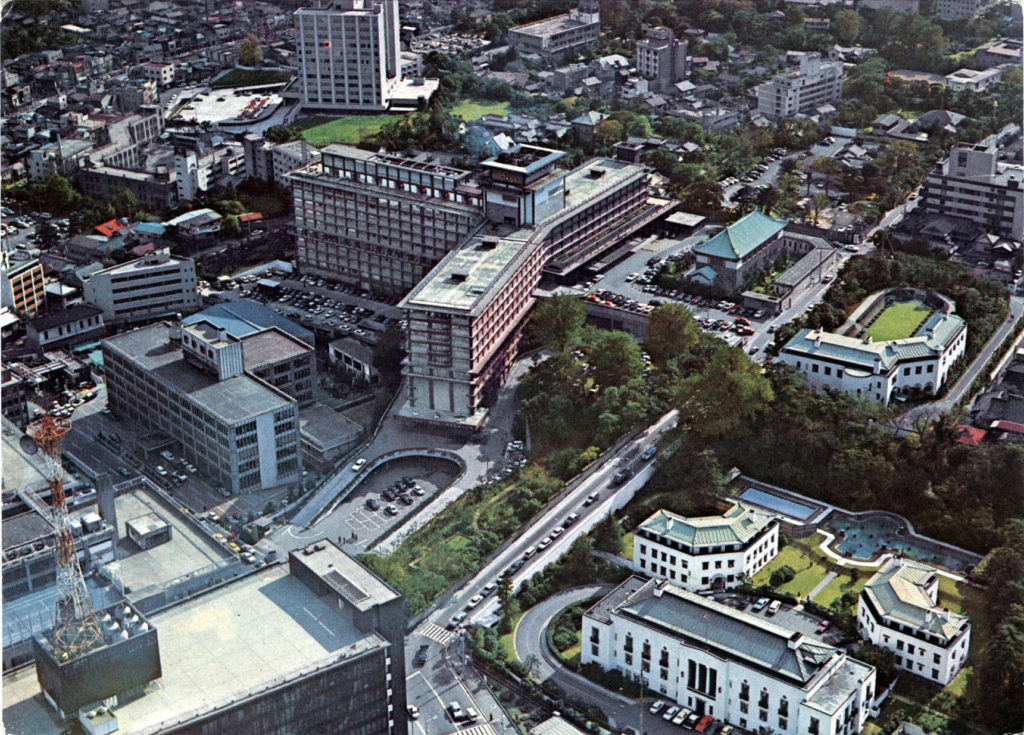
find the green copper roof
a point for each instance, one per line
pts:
(899, 591)
(737, 525)
(742, 237)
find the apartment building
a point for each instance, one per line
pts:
(158, 188)
(380, 220)
(204, 168)
(349, 55)
(273, 162)
(661, 59)
(959, 9)
(190, 383)
(736, 666)
(159, 72)
(709, 552)
(22, 286)
(899, 610)
(879, 370)
(557, 38)
(466, 317)
(815, 82)
(973, 184)
(157, 284)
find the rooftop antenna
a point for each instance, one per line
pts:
(75, 628)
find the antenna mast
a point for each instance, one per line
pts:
(75, 628)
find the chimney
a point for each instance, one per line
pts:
(105, 504)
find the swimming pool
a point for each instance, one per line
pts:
(868, 535)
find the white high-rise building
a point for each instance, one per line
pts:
(349, 55)
(802, 90)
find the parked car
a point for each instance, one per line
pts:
(774, 607)
(358, 464)
(414, 712)
(760, 605)
(657, 707)
(391, 510)
(474, 601)
(670, 713)
(705, 723)
(420, 658)
(372, 504)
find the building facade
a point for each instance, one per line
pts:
(814, 83)
(466, 317)
(899, 610)
(735, 666)
(557, 38)
(879, 370)
(157, 284)
(190, 383)
(349, 55)
(66, 328)
(736, 254)
(661, 59)
(380, 220)
(973, 184)
(22, 286)
(154, 188)
(712, 552)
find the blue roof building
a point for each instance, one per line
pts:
(243, 317)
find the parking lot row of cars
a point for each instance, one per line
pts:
(401, 491)
(684, 717)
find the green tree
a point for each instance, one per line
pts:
(230, 226)
(671, 333)
(608, 535)
(557, 323)
(846, 25)
(250, 54)
(615, 358)
(725, 397)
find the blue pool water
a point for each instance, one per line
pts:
(866, 536)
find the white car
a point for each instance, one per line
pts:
(657, 707)
(358, 464)
(474, 601)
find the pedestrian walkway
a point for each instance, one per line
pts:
(435, 632)
(821, 585)
(484, 729)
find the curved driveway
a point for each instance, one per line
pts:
(531, 641)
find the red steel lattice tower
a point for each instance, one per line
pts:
(75, 627)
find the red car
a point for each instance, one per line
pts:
(705, 723)
(823, 626)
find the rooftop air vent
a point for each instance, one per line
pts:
(595, 173)
(459, 276)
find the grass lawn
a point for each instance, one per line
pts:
(250, 77)
(806, 560)
(470, 110)
(842, 584)
(898, 321)
(627, 546)
(350, 129)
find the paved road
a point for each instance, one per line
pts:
(531, 646)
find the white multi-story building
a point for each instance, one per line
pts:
(878, 370)
(715, 660)
(661, 58)
(193, 172)
(158, 72)
(959, 9)
(557, 38)
(706, 552)
(349, 55)
(973, 184)
(899, 611)
(814, 83)
(156, 284)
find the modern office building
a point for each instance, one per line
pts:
(708, 552)
(314, 645)
(736, 666)
(661, 59)
(557, 38)
(466, 317)
(380, 220)
(190, 383)
(157, 284)
(972, 184)
(879, 370)
(22, 285)
(350, 59)
(815, 82)
(899, 610)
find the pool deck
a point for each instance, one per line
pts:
(830, 537)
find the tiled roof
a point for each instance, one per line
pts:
(899, 592)
(736, 525)
(738, 635)
(743, 236)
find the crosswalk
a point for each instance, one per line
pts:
(484, 729)
(435, 632)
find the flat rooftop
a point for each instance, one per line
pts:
(549, 26)
(234, 400)
(189, 550)
(325, 426)
(216, 650)
(594, 178)
(350, 579)
(419, 162)
(269, 347)
(463, 279)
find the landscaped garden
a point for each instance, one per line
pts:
(899, 321)
(250, 78)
